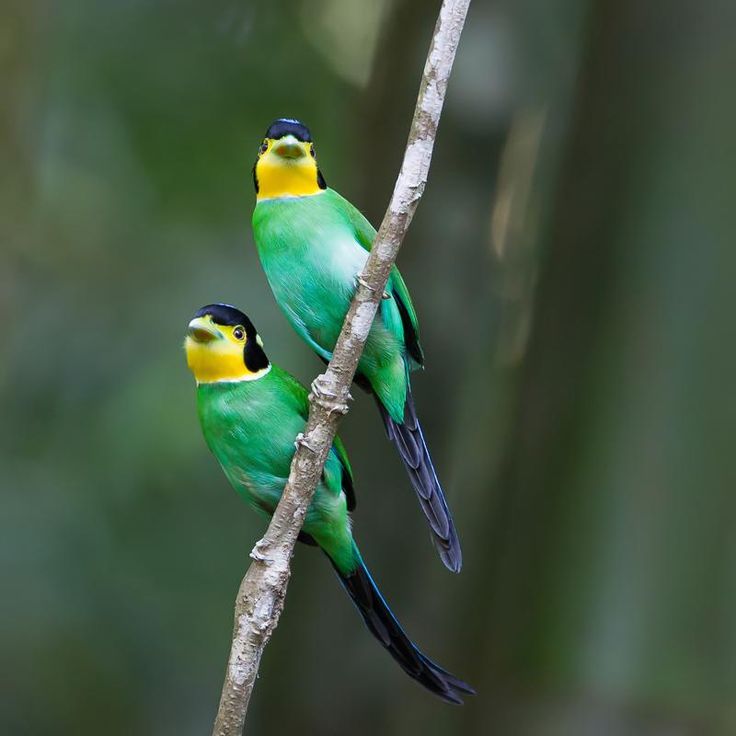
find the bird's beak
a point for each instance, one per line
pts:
(201, 329)
(289, 147)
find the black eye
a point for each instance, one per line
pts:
(238, 333)
(263, 148)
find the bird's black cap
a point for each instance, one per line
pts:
(225, 314)
(288, 126)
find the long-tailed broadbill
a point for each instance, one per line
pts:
(313, 245)
(251, 411)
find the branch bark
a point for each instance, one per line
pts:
(261, 595)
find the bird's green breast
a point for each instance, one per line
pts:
(311, 254)
(250, 427)
(311, 258)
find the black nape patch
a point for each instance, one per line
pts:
(255, 177)
(321, 180)
(288, 126)
(254, 356)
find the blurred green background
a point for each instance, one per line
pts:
(573, 266)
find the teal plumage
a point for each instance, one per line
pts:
(249, 421)
(312, 248)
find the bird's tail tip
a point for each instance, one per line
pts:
(384, 626)
(453, 562)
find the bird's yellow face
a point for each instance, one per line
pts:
(287, 163)
(224, 353)
(286, 167)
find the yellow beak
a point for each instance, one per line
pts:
(203, 330)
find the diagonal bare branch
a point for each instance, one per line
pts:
(261, 596)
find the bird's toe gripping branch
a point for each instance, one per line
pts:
(261, 552)
(360, 281)
(321, 394)
(301, 441)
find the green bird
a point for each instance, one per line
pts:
(313, 245)
(251, 412)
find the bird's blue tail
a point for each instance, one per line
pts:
(408, 439)
(383, 625)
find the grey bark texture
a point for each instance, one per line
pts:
(262, 591)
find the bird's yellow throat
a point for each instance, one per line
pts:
(277, 176)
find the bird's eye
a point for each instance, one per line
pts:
(264, 147)
(238, 333)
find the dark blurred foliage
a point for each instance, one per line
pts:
(572, 263)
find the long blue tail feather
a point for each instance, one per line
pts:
(384, 626)
(408, 439)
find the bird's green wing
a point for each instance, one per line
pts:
(408, 316)
(301, 398)
(366, 233)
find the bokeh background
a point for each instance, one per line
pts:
(573, 265)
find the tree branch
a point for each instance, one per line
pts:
(263, 589)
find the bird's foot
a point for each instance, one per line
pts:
(257, 553)
(320, 390)
(360, 281)
(301, 441)
(330, 401)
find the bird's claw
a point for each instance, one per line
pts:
(301, 441)
(320, 391)
(359, 280)
(257, 554)
(327, 399)
(336, 408)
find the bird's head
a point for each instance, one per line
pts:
(287, 163)
(222, 346)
